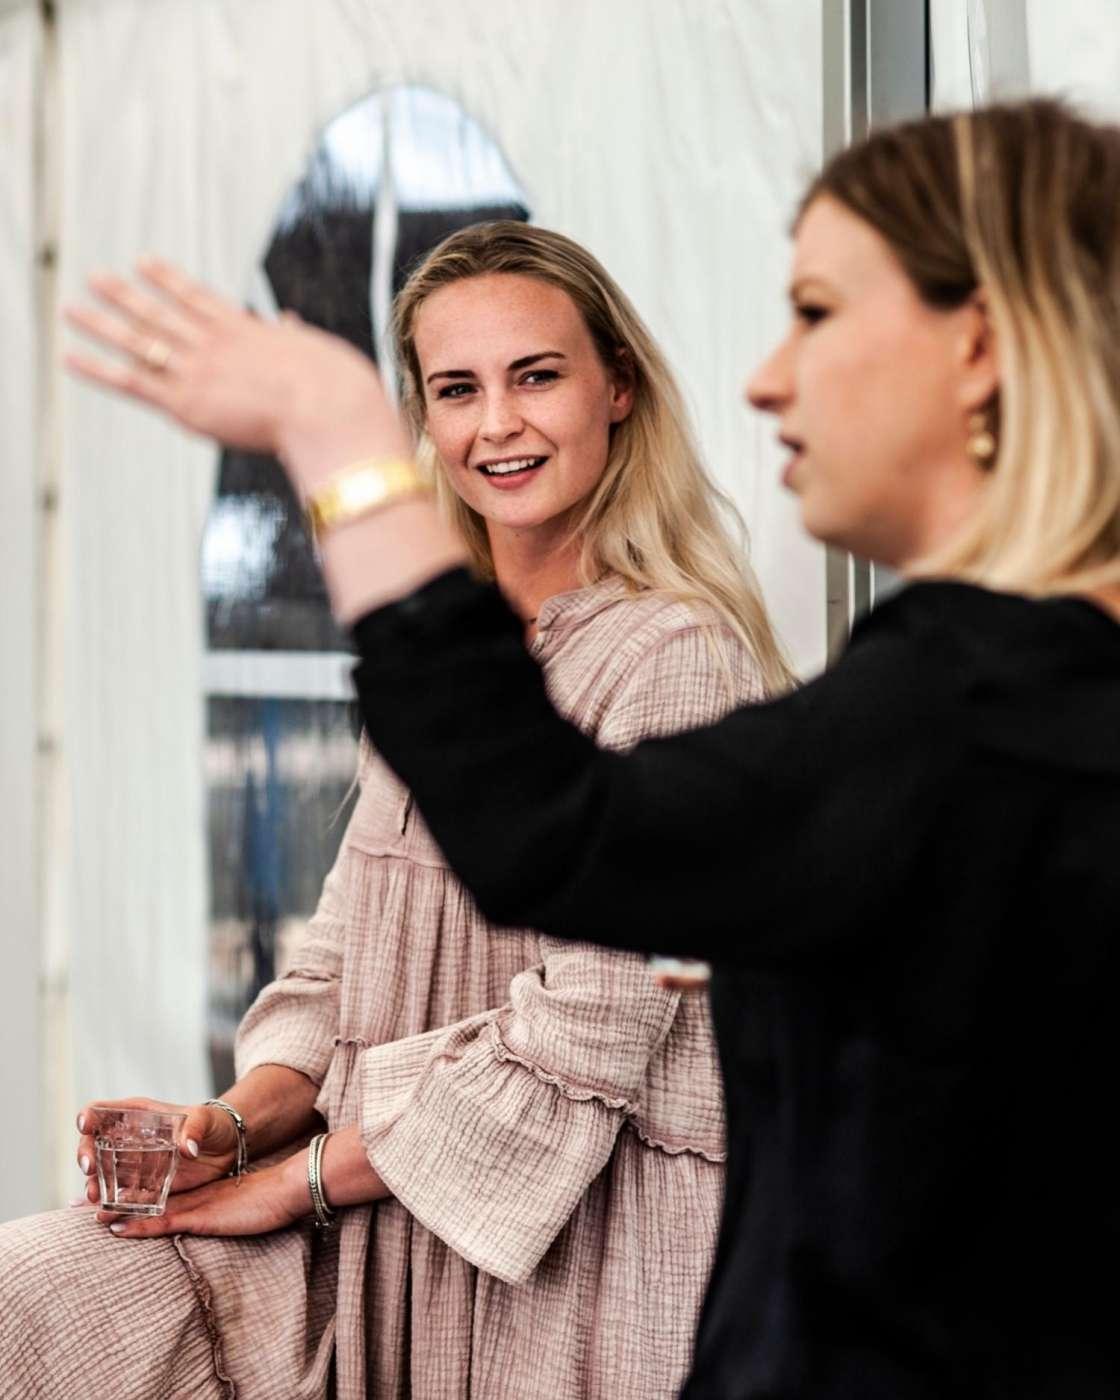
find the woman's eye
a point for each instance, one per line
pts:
(455, 391)
(540, 376)
(809, 314)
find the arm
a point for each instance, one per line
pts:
(653, 849)
(286, 1039)
(490, 1132)
(294, 1020)
(665, 847)
(284, 1045)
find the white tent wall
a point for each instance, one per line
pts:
(1074, 51)
(672, 138)
(987, 50)
(20, 1025)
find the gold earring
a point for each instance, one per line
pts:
(981, 444)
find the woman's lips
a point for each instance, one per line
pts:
(790, 468)
(511, 474)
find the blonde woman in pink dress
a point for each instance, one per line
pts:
(526, 1137)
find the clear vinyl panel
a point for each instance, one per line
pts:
(391, 177)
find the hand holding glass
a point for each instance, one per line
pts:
(136, 1151)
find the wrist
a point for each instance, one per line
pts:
(315, 440)
(229, 1118)
(297, 1192)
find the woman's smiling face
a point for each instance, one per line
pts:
(518, 403)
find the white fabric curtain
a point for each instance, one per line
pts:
(20, 1055)
(985, 50)
(1075, 52)
(670, 138)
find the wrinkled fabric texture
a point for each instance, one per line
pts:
(906, 876)
(550, 1122)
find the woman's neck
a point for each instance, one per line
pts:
(530, 569)
(1108, 599)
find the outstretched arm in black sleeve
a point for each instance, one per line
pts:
(784, 829)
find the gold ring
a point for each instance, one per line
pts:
(157, 355)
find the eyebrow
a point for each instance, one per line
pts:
(523, 363)
(797, 288)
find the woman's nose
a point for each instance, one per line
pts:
(770, 387)
(500, 418)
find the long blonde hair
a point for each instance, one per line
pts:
(655, 520)
(1020, 200)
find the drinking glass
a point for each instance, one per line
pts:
(135, 1149)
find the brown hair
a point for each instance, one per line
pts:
(1019, 201)
(656, 519)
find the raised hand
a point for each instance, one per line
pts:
(207, 1145)
(276, 386)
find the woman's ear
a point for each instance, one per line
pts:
(978, 353)
(623, 383)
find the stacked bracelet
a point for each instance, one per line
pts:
(242, 1143)
(324, 1215)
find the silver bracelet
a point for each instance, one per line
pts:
(242, 1142)
(324, 1214)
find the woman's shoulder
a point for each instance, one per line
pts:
(662, 662)
(614, 614)
(987, 629)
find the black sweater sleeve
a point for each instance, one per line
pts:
(771, 837)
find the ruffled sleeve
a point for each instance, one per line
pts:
(490, 1131)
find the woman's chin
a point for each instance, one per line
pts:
(523, 516)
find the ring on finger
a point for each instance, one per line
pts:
(157, 355)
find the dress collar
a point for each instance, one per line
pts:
(564, 611)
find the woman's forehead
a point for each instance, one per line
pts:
(480, 316)
(510, 296)
(836, 247)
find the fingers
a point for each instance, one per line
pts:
(199, 1132)
(88, 1122)
(132, 380)
(185, 1215)
(150, 316)
(680, 974)
(670, 982)
(193, 298)
(114, 333)
(151, 331)
(87, 1116)
(87, 1128)
(87, 1165)
(141, 1227)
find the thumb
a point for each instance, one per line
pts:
(207, 1132)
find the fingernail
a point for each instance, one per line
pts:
(118, 1229)
(85, 1165)
(192, 1147)
(76, 1201)
(81, 1122)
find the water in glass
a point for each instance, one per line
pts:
(135, 1153)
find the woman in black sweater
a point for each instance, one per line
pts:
(905, 873)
